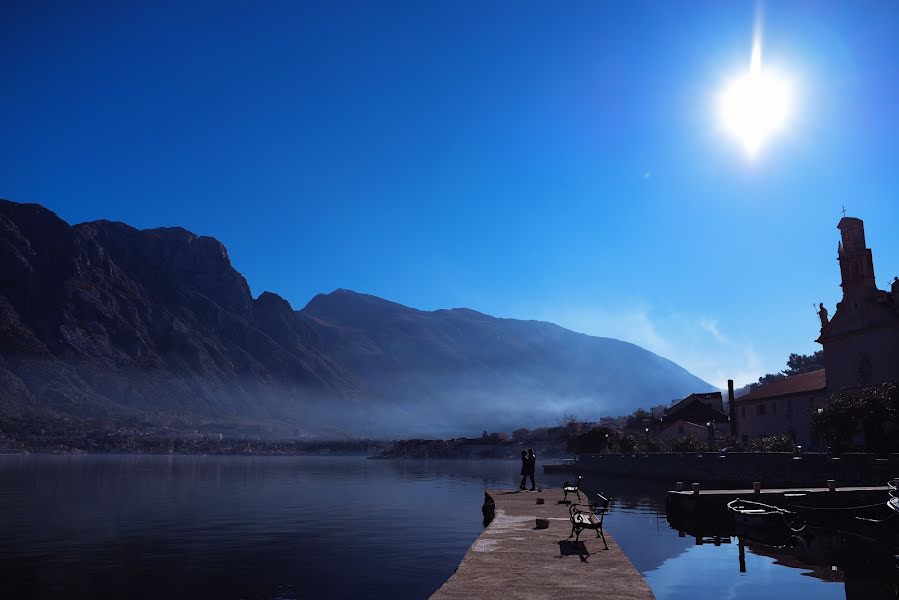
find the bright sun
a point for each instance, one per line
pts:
(757, 105)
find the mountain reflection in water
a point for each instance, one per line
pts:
(343, 527)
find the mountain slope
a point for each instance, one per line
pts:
(447, 369)
(104, 321)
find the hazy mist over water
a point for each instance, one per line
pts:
(104, 526)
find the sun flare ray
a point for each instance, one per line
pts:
(757, 105)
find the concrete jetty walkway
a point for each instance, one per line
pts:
(512, 559)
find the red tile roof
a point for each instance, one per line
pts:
(812, 381)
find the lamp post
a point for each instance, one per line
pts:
(710, 428)
(821, 436)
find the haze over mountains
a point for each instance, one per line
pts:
(106, 322)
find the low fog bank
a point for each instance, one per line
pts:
(414, 405)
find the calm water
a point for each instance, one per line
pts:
(335, 527)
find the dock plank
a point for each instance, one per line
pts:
(513, 560)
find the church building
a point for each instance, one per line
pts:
(861, 342)
(861, 348)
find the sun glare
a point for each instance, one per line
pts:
(756, 105)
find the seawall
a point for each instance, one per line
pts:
(733, 469)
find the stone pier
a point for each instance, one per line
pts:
(512, 559)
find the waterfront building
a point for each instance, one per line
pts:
(861, 341)
(782, 406)
(700, 414)
(861, 348)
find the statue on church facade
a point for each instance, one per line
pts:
(822, 314)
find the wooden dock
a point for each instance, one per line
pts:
(512, 559)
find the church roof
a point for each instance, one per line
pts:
(813, 381)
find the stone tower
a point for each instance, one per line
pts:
(856, 262)
(861, 342)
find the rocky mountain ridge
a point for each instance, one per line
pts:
(104, 321)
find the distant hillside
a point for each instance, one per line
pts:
(451, 370)
(104, 321)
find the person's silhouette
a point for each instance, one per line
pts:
(524, 468)
(532, 468)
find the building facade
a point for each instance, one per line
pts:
(784, 406)
(700, 414)
(861, 342)
(861, 348)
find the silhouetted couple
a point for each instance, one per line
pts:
(528, 468)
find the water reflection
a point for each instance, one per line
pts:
(299, 527)
(704, 557)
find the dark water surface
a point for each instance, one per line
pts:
(324, 527)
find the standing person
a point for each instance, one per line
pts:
(524, 468)
(532, 468)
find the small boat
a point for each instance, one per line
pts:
(893, 502)
(755, 515)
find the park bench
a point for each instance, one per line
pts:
(572, 488)
(589, 516)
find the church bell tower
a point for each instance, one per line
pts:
(856, 263)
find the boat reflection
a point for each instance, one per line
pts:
(868, 566)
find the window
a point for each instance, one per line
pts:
(789, 408)
(774, 408)
(743, 412)
(760, 409)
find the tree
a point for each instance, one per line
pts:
(626, 442)
(592, 442)
(803, 363)
(765, 380)
(874, 408)
(568, 420)
(796, 364)
(638, 417)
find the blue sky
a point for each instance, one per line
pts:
(525, 159)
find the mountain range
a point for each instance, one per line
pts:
(105, 322)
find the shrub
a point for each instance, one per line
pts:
(728, 442)
(625, 442)
(875, 408)
(650, 445)
(686, 443)
(773, 443)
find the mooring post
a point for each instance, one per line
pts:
(742, 556)
(731, 409)
(757, 487)
(832, 485)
